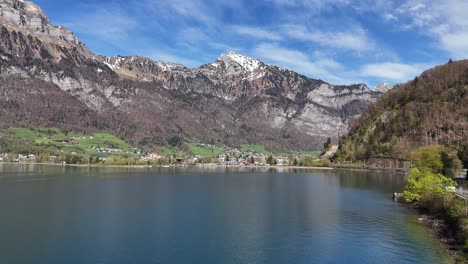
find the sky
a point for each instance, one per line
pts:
(338, 41)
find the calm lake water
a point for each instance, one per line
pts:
(106, 215)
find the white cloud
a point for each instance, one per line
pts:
(390, 17)
(255, 32)
(109, 25)
(315, 4)
(352, 39)
(388, 71)
(300, 62)
(443, 20)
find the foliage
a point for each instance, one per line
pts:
(428, 158)
(207, 160)
(326, 145)
(426, 111)
(175, 141)
(271, 161)
(308, 161)
(463, 154)
(118, 160)
(452, 164)
(424, 186)
(438, 159)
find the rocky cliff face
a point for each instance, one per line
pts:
(233, 100)
(28, 16)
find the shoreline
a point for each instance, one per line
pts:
(349, 167)
(444, 235)
(442, 231)
(166, 166)
(357, 167)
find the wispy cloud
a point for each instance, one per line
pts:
(256, 32)
(338, 41)
(395, 72)
(109, 25)
(442, 20)
(299, 61)
(353, 39)
(315, 4)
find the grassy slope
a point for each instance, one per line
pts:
(55, 140)
(205, 150)
(254, 148)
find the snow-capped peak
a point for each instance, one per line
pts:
(246, 63)
(383, 87)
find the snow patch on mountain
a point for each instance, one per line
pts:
(248, 64)
(382, 88)
(168, 66)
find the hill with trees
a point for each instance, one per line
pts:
(429, 110)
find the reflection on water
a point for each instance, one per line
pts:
(155, 215)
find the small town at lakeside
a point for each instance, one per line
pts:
(56, 146)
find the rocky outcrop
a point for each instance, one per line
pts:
(233, 100)
(27, 15)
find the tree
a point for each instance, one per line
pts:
(463, 154)
(437, 159)
(326, 145)
(452, 165)
(428, 158)
(295, 163)
(269, 160)
(423, 186)
(175, 141)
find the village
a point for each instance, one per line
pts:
(228, 157)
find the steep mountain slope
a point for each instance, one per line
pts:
(429, 110)
(234, 100)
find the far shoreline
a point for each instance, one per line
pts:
(167, 166)
(347, 167)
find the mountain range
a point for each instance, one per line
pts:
(50, 78)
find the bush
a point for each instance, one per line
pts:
(425, 187)
(428, 158)
(438, 160)
(452, 164)
(312, 162)
(175, 141)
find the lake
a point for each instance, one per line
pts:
(55, 214)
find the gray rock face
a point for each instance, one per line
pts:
(382, 88)
(27, 15)
(233, 100)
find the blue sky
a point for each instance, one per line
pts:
(339, 41)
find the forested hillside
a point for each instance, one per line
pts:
(429, 110)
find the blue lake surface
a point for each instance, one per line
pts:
(54, 214)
